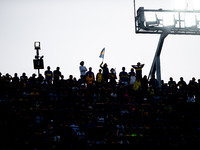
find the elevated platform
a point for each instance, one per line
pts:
(165, 22)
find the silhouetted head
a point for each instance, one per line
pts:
(82, 63)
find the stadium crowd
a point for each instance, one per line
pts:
(98, 111)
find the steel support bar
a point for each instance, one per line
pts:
(156, 61)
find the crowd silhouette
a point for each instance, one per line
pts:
(96, 111)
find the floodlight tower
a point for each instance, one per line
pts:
(165, 22)
(38, 61)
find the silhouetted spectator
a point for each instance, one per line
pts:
(23, 77)
(81, 81)
(15, 79)
(193, 87)
(99, 78)
(70, 81)
(144, 85)
(83, 70)
(153, 82)
(40, 78)
(48, 75)
(182, 85)
(138, 69)
(90, 79)
(123, 77)
(132, 77)
(56, 75)
(137, 86)
(113, 77)
(105, 72)
(32, 79)
(172, 84)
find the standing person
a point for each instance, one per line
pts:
(132, 77)
(15, 79)
(153, 82)
(83, 70)
(182, 85)
(90, 77)
(172, 84)
(112, 77)
(48, 75)
(105, 72)
(192, 87)
(138, 69)
(56, 75)
(23, 78)
(137, 87)
(99, 77)
(123, 77)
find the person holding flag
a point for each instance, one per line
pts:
(104, 67)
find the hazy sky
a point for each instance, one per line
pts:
(74, 30)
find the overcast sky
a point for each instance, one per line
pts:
(74, 30)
